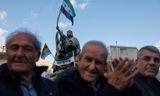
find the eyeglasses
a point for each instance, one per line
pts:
(148, 58)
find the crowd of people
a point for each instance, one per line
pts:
(93, 77)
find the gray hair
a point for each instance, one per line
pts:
(95, 42)
(150, 48)
(27, 32)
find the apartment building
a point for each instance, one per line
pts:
(116, 51)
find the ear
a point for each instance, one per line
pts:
(105, 66)
(38, 56)
(79, 57)
(136, 61)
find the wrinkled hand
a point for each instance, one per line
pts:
(122, 75)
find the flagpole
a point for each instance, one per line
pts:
(57, 27)
(74, 59)
(52, 55)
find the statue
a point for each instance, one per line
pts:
(65, 44)
(72, 43)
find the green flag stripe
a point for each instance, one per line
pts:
(67, 56)
(70, 6)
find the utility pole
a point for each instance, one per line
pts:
(116, 50)
(3, 49)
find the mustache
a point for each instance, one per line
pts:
(19, 60)
(93, 71)
(152, 66)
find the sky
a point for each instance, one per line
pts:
(133, 23)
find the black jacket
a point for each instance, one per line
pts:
(73, 85)
(9, 85)
(148, 88)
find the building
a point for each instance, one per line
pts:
(122, 51)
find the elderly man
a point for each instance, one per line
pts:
(148, 61)
(20, 76)
(89, 79)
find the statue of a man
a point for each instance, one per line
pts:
(72, 43)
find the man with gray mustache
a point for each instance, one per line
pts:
(91, 78)
(148, 61)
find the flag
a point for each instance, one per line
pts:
(45, 52)
(67, 59)
(68, 10)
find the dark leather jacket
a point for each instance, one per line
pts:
(73, 85)
(9, 84)
(148, 87)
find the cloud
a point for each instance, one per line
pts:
(64, 24)
(25, 21)
(73, 3)
(80, 5)
(83, 5)
(34, 14)
(2, 37)
(3, 15)
(158, 44)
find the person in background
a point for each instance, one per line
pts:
(20, 76)
(148, 61)
(91, 78)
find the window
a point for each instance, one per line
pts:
(123, 50)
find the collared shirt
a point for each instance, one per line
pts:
(28, 90)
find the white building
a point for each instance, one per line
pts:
(116, 51)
